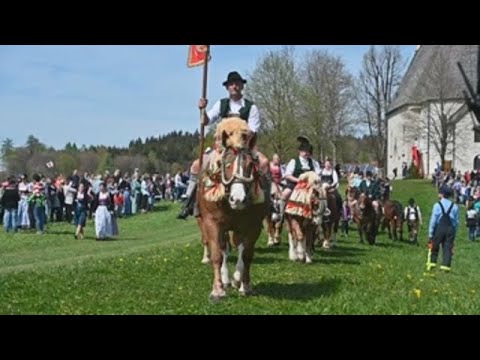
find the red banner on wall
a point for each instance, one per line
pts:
(197, 55)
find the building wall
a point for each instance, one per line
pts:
(399, 150)
(404, 132)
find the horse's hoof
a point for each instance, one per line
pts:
(216, 296)
(236, 284)
(215, 299)
(249, 292)
(205, 261)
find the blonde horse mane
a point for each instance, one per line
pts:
(234, 128)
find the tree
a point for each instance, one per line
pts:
(88, 161)
(327, 97)
(275, 88)
(71, 147)
(66, 163)
(105, 162)
(379, 78)
(34, 145)
(17, 161)
(7, 148)
(152, 162)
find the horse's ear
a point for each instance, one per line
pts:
(224, 138)
(253, 141)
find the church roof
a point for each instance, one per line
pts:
(409, 91)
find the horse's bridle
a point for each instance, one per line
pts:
(238, 175)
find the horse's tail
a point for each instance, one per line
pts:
(398, 208)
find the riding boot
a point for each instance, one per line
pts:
(190, 204)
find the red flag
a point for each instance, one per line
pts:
(415, 155)
(196, 55)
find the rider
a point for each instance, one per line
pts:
(296, 167)
(330, 176)
(234, 105)
(276, 170)
(370, 188)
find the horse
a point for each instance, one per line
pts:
(365, 216)
(231, 199)
(393, 218)
(304, 211)
(274, 219)
(331, 221)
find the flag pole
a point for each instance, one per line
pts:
(202, 111)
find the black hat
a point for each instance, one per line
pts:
(306, 147)
(304, 144)
(232, 77)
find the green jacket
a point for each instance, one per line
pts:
(37, 200)
(373, 191)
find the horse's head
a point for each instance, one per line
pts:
(364, 202)
(319, 203)
(239, 167)
(352, 192)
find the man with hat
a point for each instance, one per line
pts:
(296, 167)
(235, 105)
(442, 230)
(370, 187)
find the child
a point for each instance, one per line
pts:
(119, 202)
(471, 221)
(345, 219)
(413, 217)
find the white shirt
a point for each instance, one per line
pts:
(178, 181)
(235, 106)
(334, 176)
(291, 166)
(409, 213)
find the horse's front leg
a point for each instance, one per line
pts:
(215, 237)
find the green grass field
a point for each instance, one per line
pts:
(154, 268)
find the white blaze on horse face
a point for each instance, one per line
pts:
(237, 196)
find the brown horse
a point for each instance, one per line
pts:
(304, 213)
(365, 216)
(330, 222)
(393, 218)
(230, 198)
(274, 219)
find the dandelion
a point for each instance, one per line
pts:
(417, 293)
(409, 277)
(473, 291)
(435, 291)
(121, 259)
